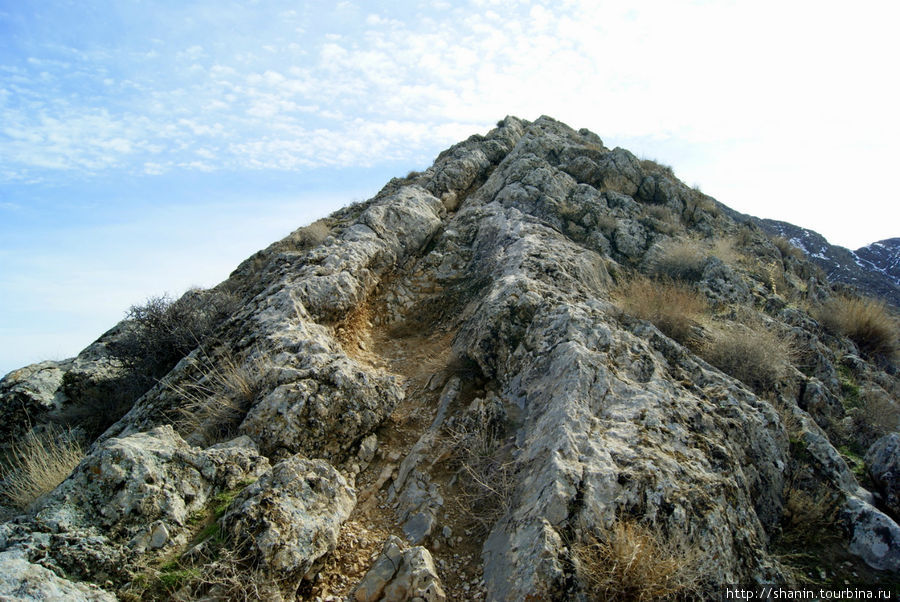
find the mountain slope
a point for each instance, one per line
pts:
(873, 269)
(457, 372)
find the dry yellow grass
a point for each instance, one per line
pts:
(632, 562)
(749, 352)
(680, 259)
(673, 308)
(867, 322)
(38, 463)
(216, 401)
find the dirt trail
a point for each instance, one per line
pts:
(422, 360)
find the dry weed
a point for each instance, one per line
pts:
(38, 463)
(632, 562)
(486, 473)
(310, 236)
(865, 321)
(680, 260)
(749, 352)
(673, 308)
(220, 396)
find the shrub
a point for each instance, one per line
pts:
(679, 259)
(38, 463)
(673, 308)
(162, 331)
(632, 562)
(660, 218)
(654, 167)
(697, 206)
(867, 322)
(750, 353)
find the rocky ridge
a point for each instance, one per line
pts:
(450, 364)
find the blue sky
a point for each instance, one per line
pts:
(148, 146)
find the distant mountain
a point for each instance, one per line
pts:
(874, 269)
(883, 256)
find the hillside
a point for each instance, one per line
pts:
(873, 269)
(541, 369)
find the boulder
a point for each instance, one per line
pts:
(883, 464)
(398, 575)
(132, 488)
(291, 517)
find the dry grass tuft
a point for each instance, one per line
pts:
(220, 396)
(486, 472)
(673, 308)
(36, 465)
(310, 236)
(680, 260)
(750, 353)
(865, 321)
(787, 248)
(632, 562)
(661, 219)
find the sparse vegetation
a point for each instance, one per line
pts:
(218, 398)
(672, 307)
(680, 260)
(162, 331)
(215, 572)
(787, 249)
(749, 352)
(633, 562)
(486, 473)
(807, 527)
(697, 205)
(654, 167)
(865, 321)
(310, 236)
(38, 463)
(660, 218)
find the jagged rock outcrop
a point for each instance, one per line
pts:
(454, 355)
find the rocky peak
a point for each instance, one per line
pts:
(534, 355)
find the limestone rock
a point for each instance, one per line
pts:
(398, 575)
(883, 463)
(291, 517)
(26, 581)
(126, 484)
(874, 537)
